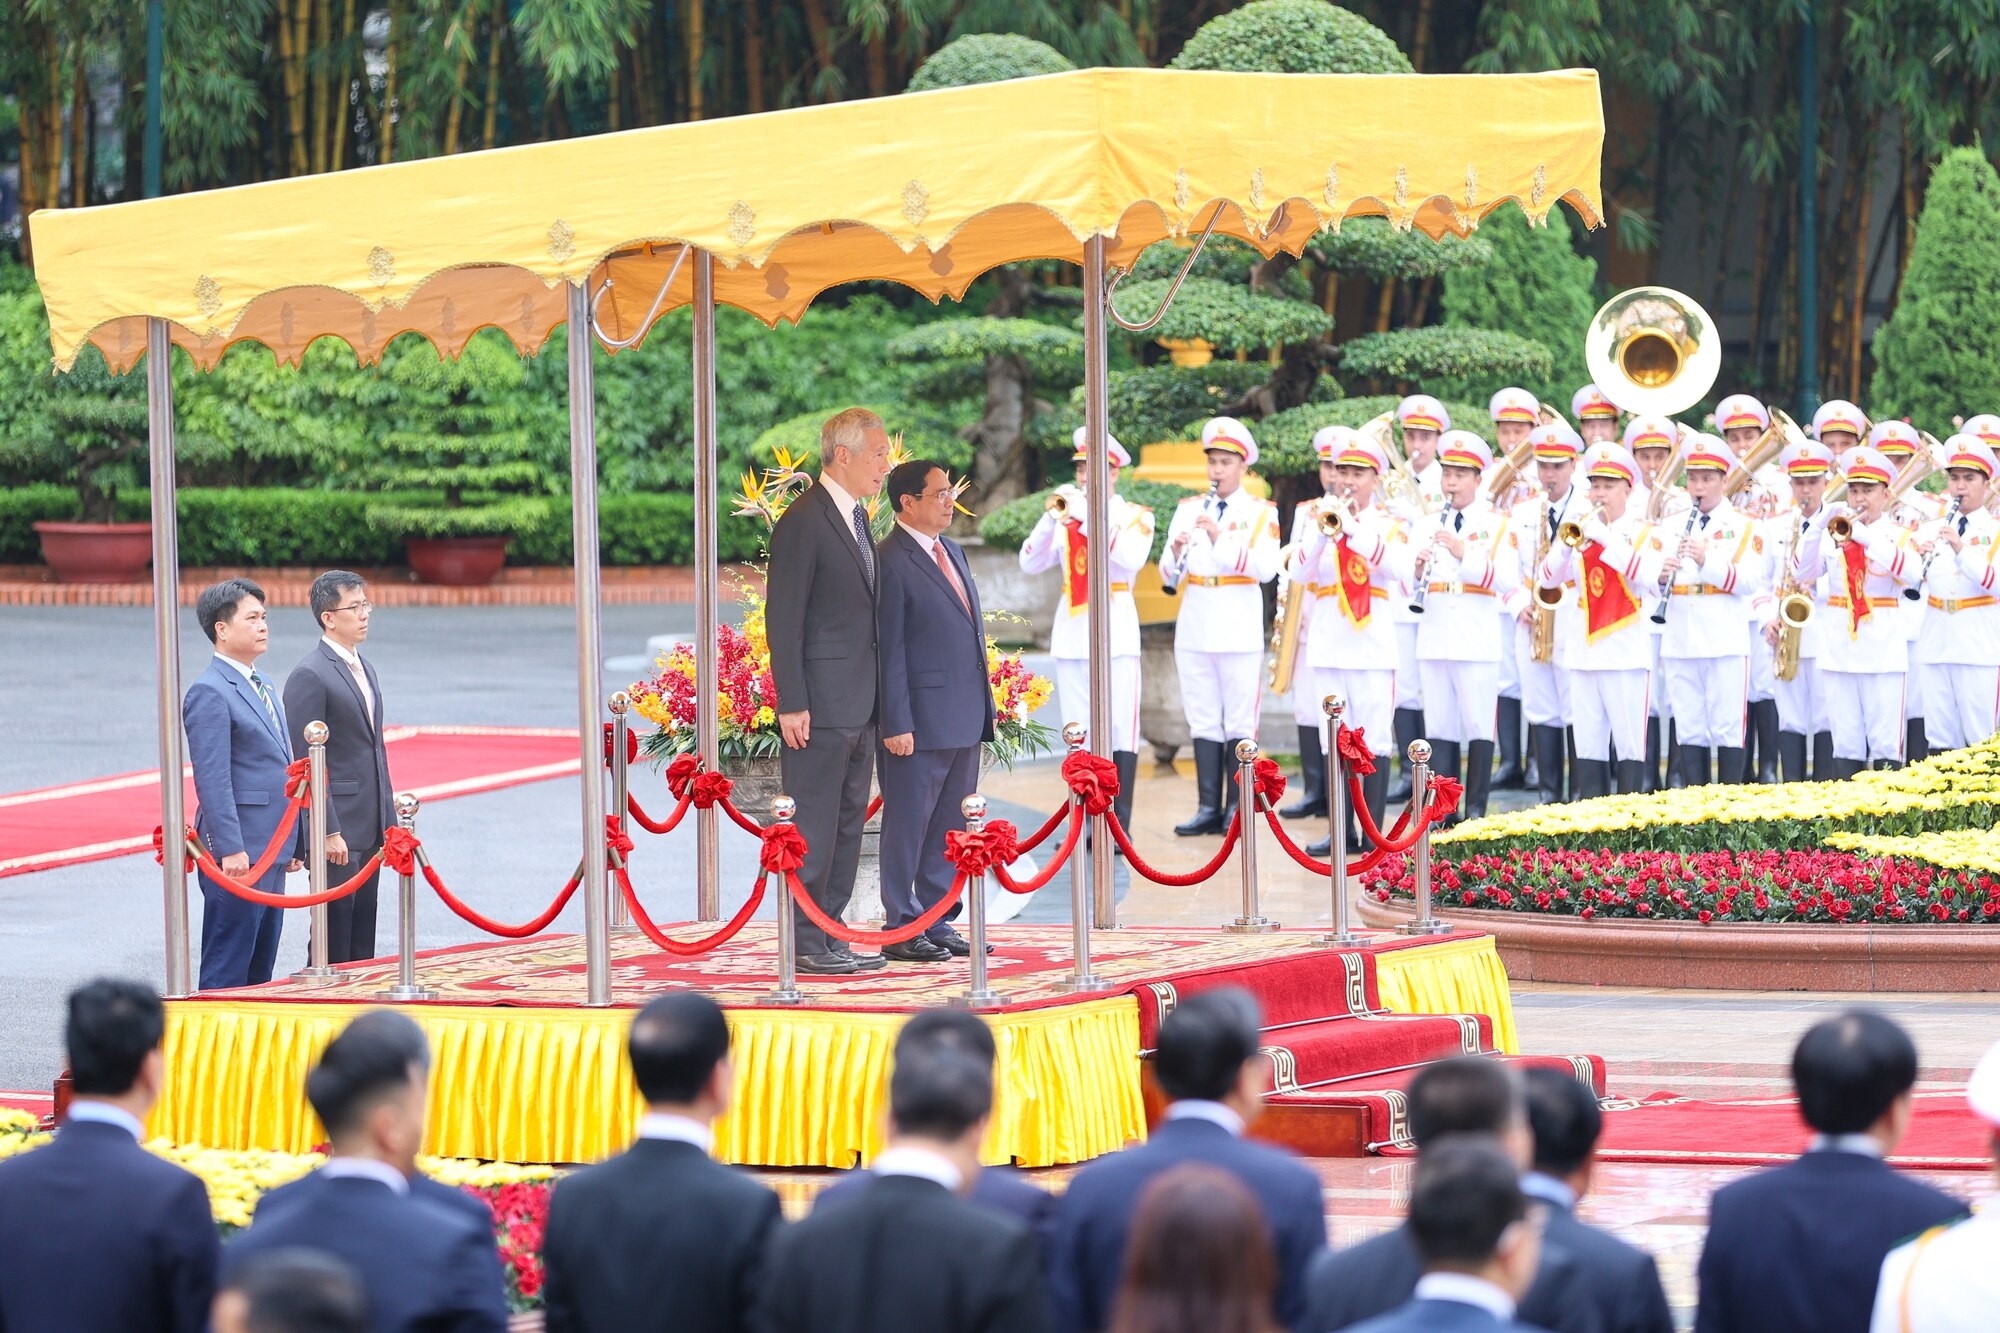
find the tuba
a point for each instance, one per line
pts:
(1781, 434)
(1653, 349)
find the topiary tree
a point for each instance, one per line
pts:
(1372, 248)
(1009, 525)
(1938, 356)
(987, 57)
(1155, 403)
(1228, 316)
(1284, 441)
(1409, 359)
(1292, 37)
(925, 435)
(1538, 286)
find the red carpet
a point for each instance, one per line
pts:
(1943, 1135)
(92, 821)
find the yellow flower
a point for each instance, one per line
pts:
(16, 1121)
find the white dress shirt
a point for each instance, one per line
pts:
(676, 1129)
(365, 1168)
(844, 503)
(906, 1159)
(358, 671)
(1214, 1112)
(240, 668)
(1466, 1289)
(1547, 1188)
(1864, 1145)
(104, 1113)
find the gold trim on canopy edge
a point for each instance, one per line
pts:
(446, 246)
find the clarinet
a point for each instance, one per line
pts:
(1173, 589)
(1422, 594)
(1666, 579)
(1924, 575)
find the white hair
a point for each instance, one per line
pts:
(847, 429)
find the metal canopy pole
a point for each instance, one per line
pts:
(1097, 431)
(707, 703)
(589, 649)
(166, 612)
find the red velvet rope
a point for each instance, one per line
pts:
(651, 825)
(692, 947)
(1093, 778)
(1041, 835)
(501, 928)
(248, 893)
(1445, 794)
(1132, 858)
(1046, 873)
(842, 931)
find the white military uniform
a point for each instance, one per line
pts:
(1958, 653)
(1802, 704)
(1417, 409)
(1458, 634)
(1652, 432)
(1219, 636)
(1058, 544)
(1307, 710)
(1545, 700)
(1352, 649)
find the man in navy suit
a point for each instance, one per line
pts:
(425, 1265)
(239, 747)
(1798, 1248)
(1477, 1239)
(937, 703)
(96, 1232)
(292, 1291)
(1622, 1281)
(1209, 1067)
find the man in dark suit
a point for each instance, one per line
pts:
(239, 747)
(937, 703)
(1622, 1281)
(909, 1252)
(662, 1236)
(1000, 1188)
(1209, 1067)
(1466, 1095)
(1475, 1237)
(820, 616)
(292, 1291)
(96, 1232)
(1798, 1248)
(425, 1266)
(332, 684)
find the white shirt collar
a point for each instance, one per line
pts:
(1865, 1145)
(347, 655)
(1466, 1289)
(676, 1129)
(365, 1168)
(1536, 1185)
(104, 1113)
(923, 539)
(1213, 1112)
(240, 669)
(838, 494)
(907, 1159)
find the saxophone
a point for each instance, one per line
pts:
(1795, 610)
(1542, 608)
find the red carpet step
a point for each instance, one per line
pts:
(1369, 1114)
(1944, 1135)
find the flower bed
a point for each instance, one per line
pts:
(518, 1195)
(1801, 887)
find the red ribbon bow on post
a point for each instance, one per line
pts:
(298, 777)
(1093, 778)
(784, 848)
(1444, 798)
(399, 850)
(1355, 756)
(631, 744)
(690, 782)
(1269, 779)
(617, 842)
(160, 851)
(976, 853)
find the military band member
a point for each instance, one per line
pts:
(1899, 442)
(1653, 441)
(1864, 654)
(1308, 714)
(1463, 558)
(1985, 425)
(1423, 421)
(1958, 653)
(1061, 540)
(1352, 645)
(1545, 685)
(1714, 561)
(1741, 420)
(1220, 549)
(1595, 415)
(1802, 706)
(1515, 414)
(1606, 648)
(1840, 426)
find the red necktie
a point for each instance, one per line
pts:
(950, 575)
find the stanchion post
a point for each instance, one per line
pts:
(406, 987)
(1081, 978)
(787, 992)
(1426, 923)
(621, 797)
(1253, 921)
(1338, 936)
(317, 968)
(589, 645)
(978, 995)
(166, 644)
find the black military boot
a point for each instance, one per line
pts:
(1312, 778)
(1694, 766)
(1591, 777)
(1651, 776)
(1676, 761)
(1792, 754)
(1374, 795)
(1409, 726)
(1478, 778)
(1731, 763)
(1844, 769)
(1549, 746)
(1231, 769)
(1913, 739)
(1208, 816)
(1822, 759)
(1128, 778)
(1764, 725)
(1633, 777)
(1510, 775)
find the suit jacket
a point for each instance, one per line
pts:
(426, 1267)
(421, 1187)
(1433, 1316)
(933, 650)
(1621, 1280)
(1096, 1215)
(998, 1188)
(1349, 1287)
(820, 615)
(905, 1254)
(659, 1237)
(239, 758)
(97, 1233)
(360, 801)
(1798, 1248)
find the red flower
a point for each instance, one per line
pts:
(1704, 916)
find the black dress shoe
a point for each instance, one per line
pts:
(827, 965)
(955, 944)
(863, 962)
(918, 950)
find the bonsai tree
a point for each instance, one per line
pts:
(1409, 359)
(1537, 286)
(1938, 356)
(1284, 441)
(987, 57)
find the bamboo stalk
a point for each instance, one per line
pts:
(696, 48)
(79, 131)
(454, 115)
(342, 114)
(1862, 229)
(1385, 302)
(753, 54)
(388, 123)
(498, 33)
(52, 122)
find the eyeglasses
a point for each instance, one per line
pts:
(363, 606)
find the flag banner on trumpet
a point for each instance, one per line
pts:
(1077, 569)
(1854, 569)
(1608, 604)
(1357, 599)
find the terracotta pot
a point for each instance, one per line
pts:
(457, 562)
(97, 552)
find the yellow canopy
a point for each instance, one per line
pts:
(927, 189)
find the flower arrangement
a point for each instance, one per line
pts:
(1017, 694)
(1976, 849)
(1830, 887)
(748, 697)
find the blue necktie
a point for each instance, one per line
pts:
(861, 535)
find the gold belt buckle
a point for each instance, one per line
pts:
(1949, 605)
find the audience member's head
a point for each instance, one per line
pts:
(1564, 1117)
(955, 1028)
(369, 1092)
(292, 1291)
(1208, 1051)
(1471, 1094)
(1199, 1258)
(1468, 1214)
(113, 1041)
(680, 1055)
(1853, 1074)
(941, 1096)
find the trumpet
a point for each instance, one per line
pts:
(1570, 531)
(1058, 503)
(1923, 575)
(1333, 514)
(1841, 528)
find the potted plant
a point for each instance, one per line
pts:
(93, 437)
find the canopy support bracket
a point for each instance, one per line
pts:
(1173, 289)
(659, 299)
